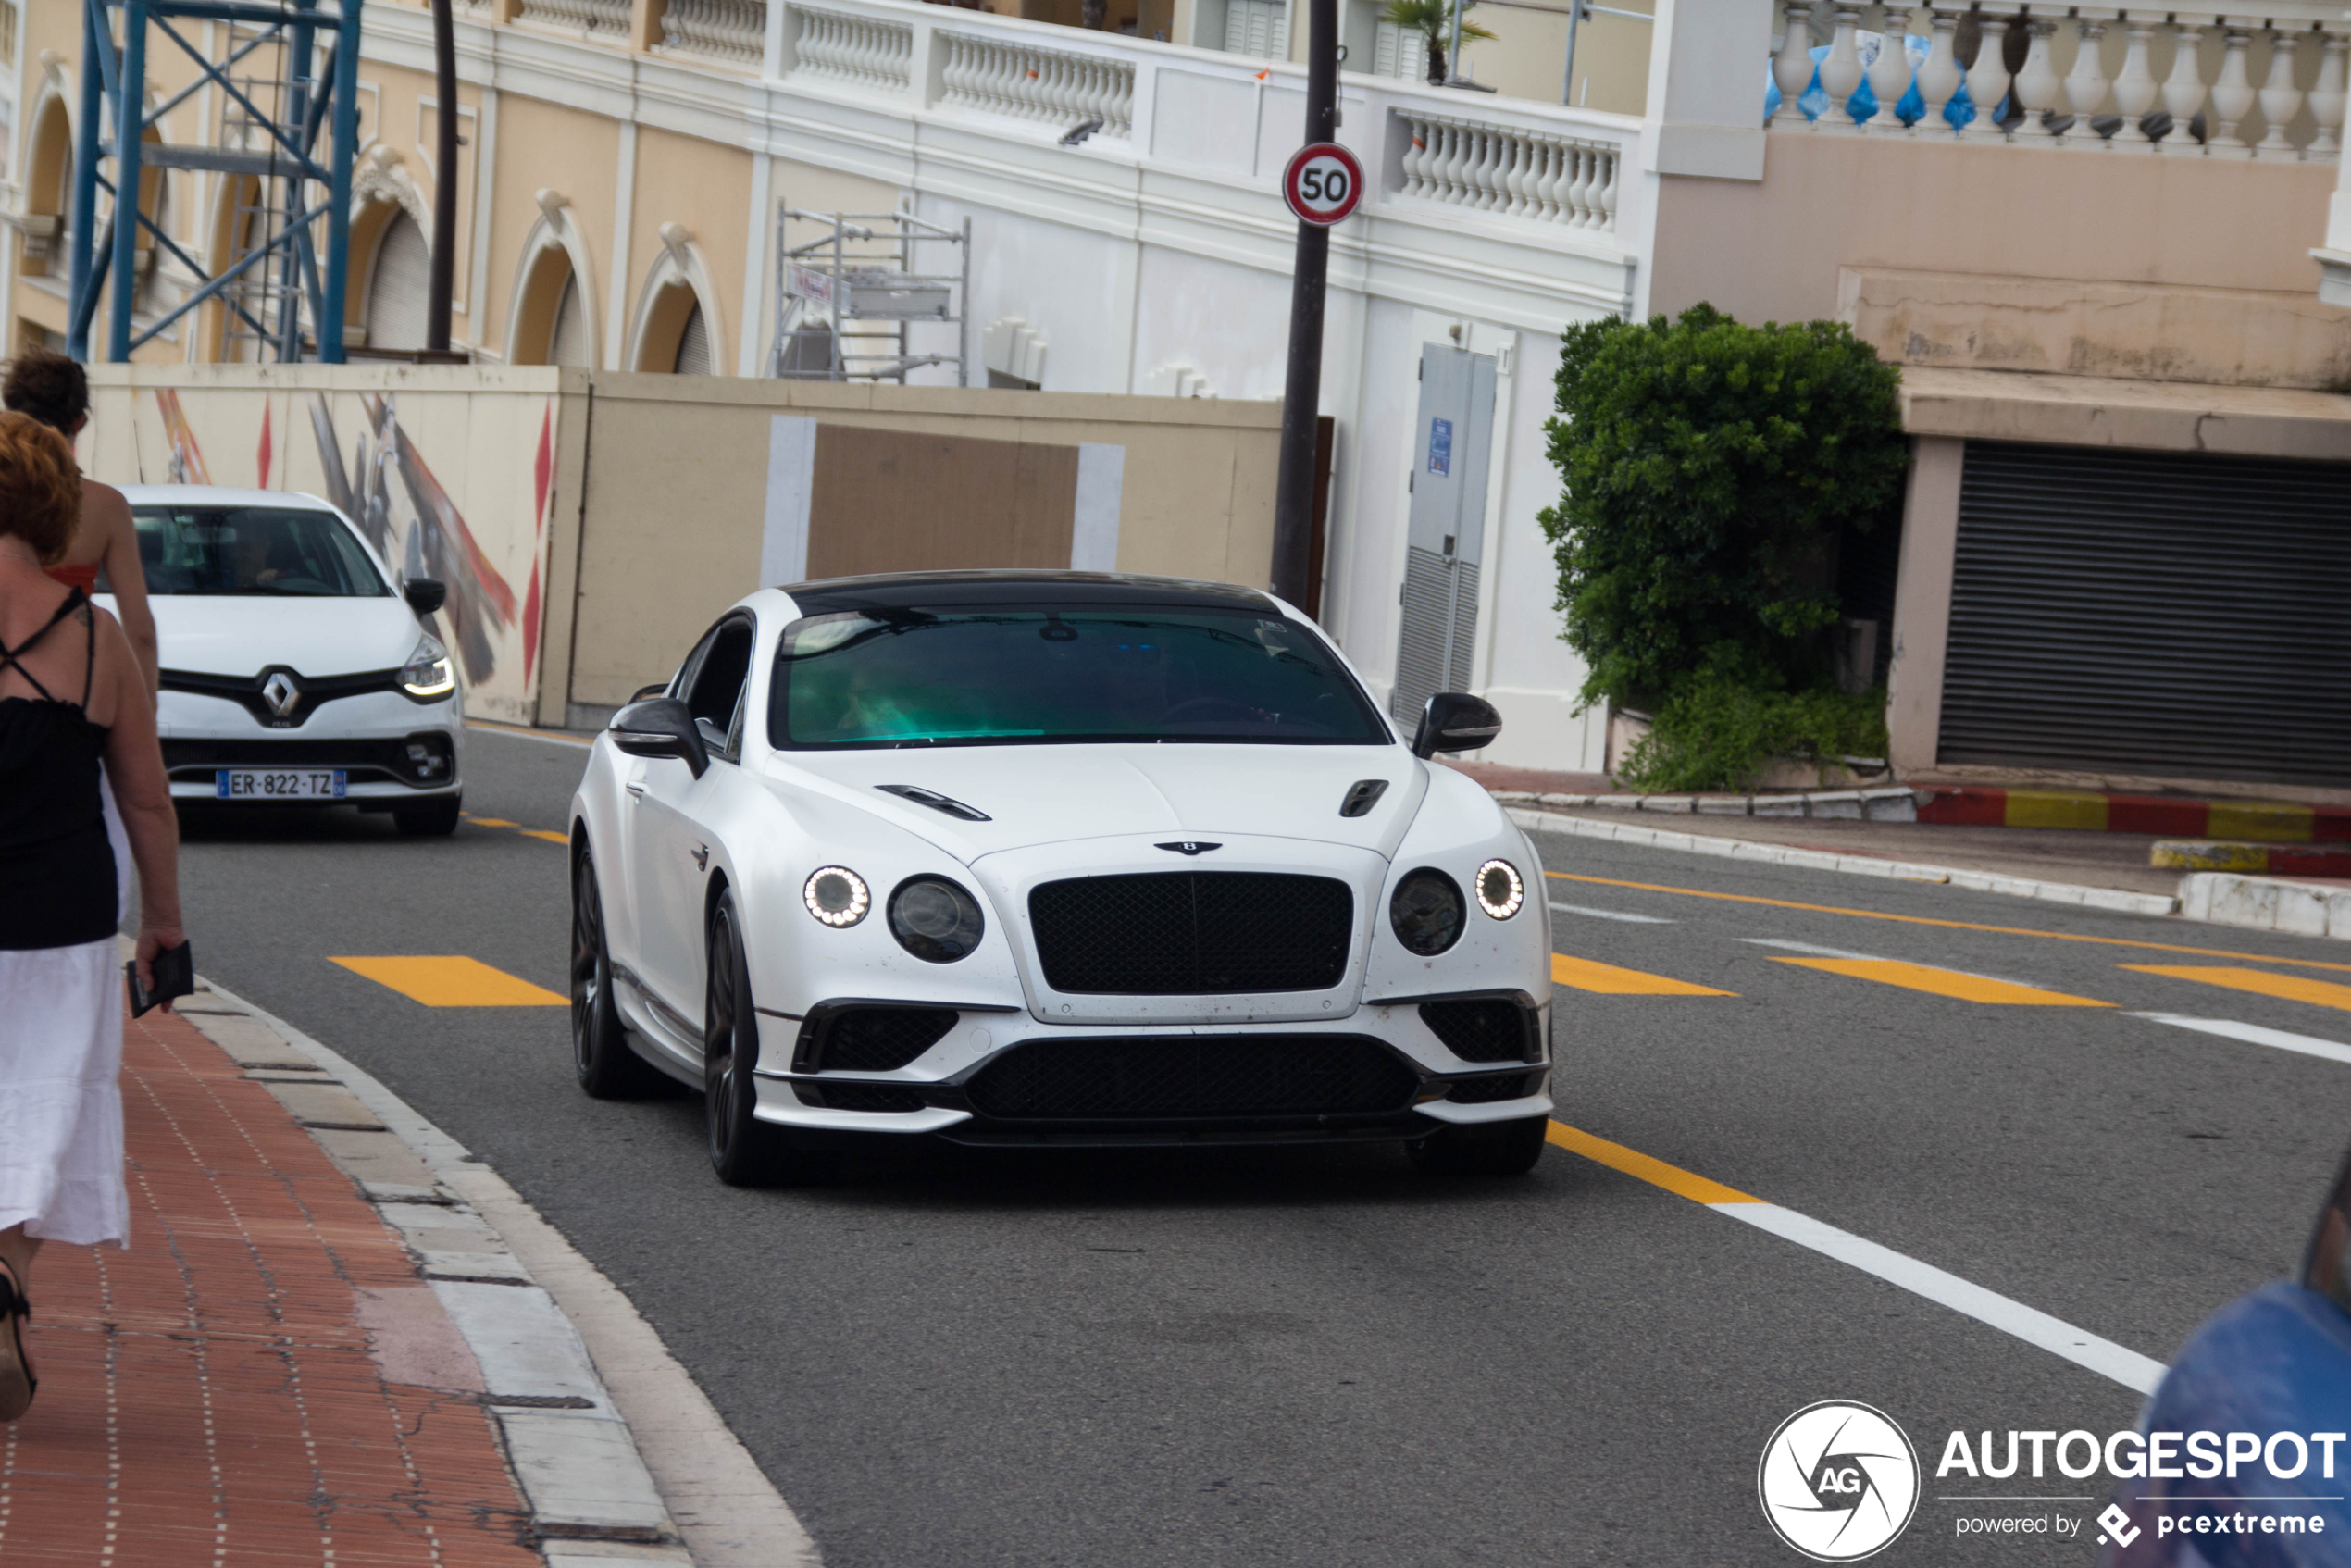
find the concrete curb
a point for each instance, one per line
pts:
(2266, 903)
(2114, 812)
(1860, 865)
(633, 1468)
(1891, 804)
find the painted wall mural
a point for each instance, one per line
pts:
(453, 485)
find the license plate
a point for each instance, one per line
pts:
(279, 783)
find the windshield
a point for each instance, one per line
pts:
(289, 550)
(1014, 676)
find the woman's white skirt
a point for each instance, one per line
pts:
(60, 1106)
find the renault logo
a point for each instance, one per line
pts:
(281, 693)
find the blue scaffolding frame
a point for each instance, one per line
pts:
(315, 93)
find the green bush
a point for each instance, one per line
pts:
(1716, 733)
(1710, 468)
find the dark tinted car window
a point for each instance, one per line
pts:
(1009, 675)
(283, 552)
(2328, 1268)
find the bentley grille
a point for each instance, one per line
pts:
(1192, 933)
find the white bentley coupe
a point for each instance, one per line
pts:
(1024, 858)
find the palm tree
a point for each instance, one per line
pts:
(1433, 20)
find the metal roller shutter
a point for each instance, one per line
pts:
(398, 291)
(2153, 613)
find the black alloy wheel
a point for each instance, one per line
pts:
(744, 1150)
(601, 1057)
(1483, 1148)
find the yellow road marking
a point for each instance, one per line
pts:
(1586, 975)
(1633, 1163)
(453, 982)
(1943, 982)
(547, 833)
(488, 821)
(1947, 925)
(2293, 988)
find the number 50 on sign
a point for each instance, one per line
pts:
(1323, 183)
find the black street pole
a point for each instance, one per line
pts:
(445, 184)
(1301, 396)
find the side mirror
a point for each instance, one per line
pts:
(425, 595)
(661, 726)
(655, 690)
(1455, 721)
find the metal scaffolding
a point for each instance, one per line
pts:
(299, 80)
(863, 270)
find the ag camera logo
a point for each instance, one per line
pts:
(1838, 1480)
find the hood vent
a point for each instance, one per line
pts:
(1363, 796)
(936, 801)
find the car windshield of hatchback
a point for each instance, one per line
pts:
(217, 550)
(1051, 676)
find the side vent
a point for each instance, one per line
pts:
(936, 801)
(1363, 796)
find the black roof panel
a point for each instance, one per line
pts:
(935, 590)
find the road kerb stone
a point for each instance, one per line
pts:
(672, 1485)
(1858, 865)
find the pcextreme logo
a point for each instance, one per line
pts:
(1838, 1480)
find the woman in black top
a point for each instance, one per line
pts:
(71, 695)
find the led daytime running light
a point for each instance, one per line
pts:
(837, 896)
(1499, 890)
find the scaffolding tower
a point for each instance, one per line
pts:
(286, 205)
(862, 270)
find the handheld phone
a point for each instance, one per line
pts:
(175, 972)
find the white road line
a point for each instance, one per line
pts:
(2035, 1327)
(1815, 952)
(1614, 915)
(2255, 1034)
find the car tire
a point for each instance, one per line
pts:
(744, 1150)
(1485, 1149)
(434, 819)
(601, 1057)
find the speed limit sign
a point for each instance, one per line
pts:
(1323, 183)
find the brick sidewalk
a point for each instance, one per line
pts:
(209, 1396)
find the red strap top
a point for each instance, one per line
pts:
(84, 577)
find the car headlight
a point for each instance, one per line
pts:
(837, 895)
(1427, 912)
(1500, 891)
(427, 675)
(935, 920)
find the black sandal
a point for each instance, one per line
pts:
(17, 1385)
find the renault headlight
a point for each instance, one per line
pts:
(429, 676)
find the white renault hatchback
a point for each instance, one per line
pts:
(293, 671)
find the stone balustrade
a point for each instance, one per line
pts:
(867, 54)
(1017, 77)
(1509, 171)
(2205, 85)
(600, 18)
(733, 31)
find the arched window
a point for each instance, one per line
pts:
(567, 343)
(694, 346)
(399, 286)
(48, 189)
(676, 336)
